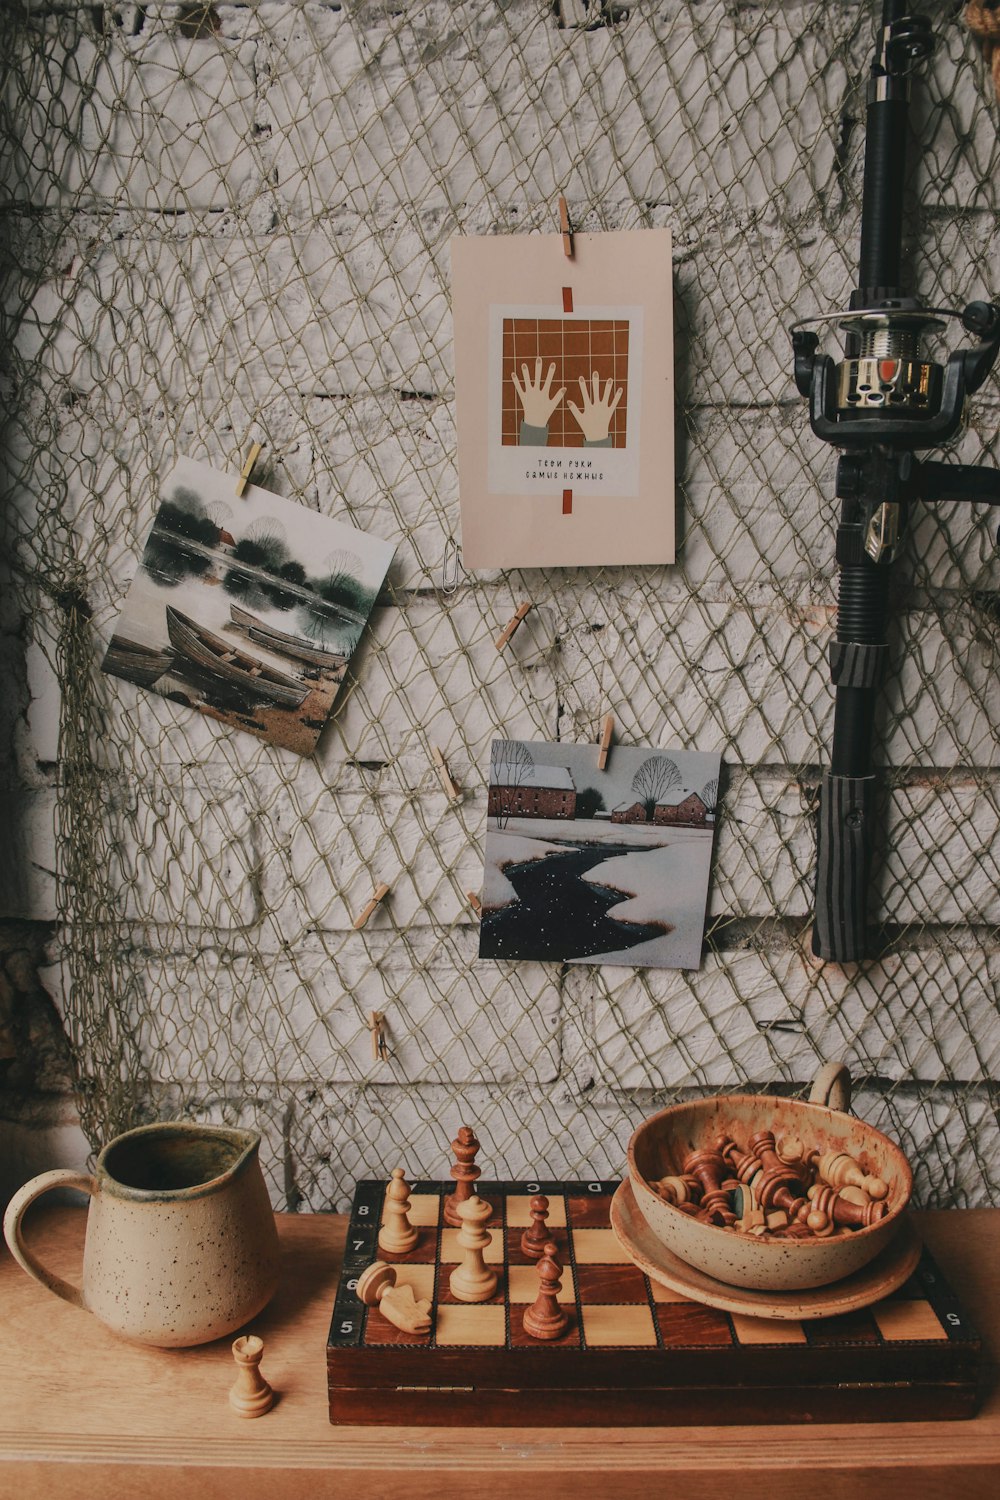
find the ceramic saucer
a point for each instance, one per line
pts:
(883, 1275)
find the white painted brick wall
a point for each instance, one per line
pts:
(248, 234)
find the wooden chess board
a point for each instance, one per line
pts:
(635, 1352)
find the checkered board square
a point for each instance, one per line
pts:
(633, 1351)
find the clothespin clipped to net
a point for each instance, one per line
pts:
(379, 894)
(513, 623)
(564, 228)
(604, 744)
(376, 1025)
(475, 903)
(452, 790)
(247, 469)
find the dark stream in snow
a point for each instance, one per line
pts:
(558, 915)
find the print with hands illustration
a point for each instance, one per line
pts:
(537, 400)
(594, 416)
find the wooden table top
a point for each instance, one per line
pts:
(83, 1414)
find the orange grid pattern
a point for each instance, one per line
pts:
(577, 347)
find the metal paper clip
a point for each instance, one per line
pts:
(450, 567)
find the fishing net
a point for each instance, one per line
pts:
(232, 222)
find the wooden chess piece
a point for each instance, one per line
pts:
(377, 1287)
(710, 1167)
(825, 1199)
(792, 1150)
(745, 1166)
(472, 1279)
(465, 1173)
(749, 1214)
(545, 1319)
(536, 1236)
(841, 1170)
(677, 1190)
(397, 1235)
(250, 1396)
(819, 1223)
(779, 1185)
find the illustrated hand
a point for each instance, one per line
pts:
(594, 417)
(536, 398)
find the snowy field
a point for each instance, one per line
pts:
(670, 885)
(575, 832)
(665, 882)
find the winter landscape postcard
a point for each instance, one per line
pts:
(246, 608)
(602, 867)
(565, 399)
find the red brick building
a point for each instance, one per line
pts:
(629, 812)
(539, 792)
(691, 811)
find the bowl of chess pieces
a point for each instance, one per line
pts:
(770, 1193)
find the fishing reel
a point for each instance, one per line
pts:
(885, 399)
(885, 390)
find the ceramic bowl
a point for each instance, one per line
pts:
(660, 1145)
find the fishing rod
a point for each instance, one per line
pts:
(880, 404)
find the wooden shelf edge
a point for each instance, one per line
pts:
(897, 1446)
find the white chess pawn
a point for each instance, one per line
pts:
(473, 1280)
(397, 1234)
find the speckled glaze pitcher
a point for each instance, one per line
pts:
(181, 1242)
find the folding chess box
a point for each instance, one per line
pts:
(635, 1353)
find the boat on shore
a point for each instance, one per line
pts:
(285, 644)
(142, 665)
(199, 650)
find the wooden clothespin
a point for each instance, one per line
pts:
(376, 1023)
(247, 469)
(378, 894)
(512, 624)
(474, 902)
(451, 788)
(564, 229)
(607, 730)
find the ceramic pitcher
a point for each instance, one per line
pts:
(181, 1242)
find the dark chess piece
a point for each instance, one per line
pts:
(778, 1186)
(465, 1173)
(823, 1199)
(536, 1236)
(711, 1169)
(545, 1319)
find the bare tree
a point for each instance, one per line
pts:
(340, 584)
(655, 777)
(341, 567)
(511, 765)
(710, 793)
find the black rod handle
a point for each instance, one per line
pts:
(840, 930)
(844, 837)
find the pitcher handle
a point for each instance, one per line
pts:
(832, 1087)
(16, 1210)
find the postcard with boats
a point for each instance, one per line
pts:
(246, 608)
(592, 866)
